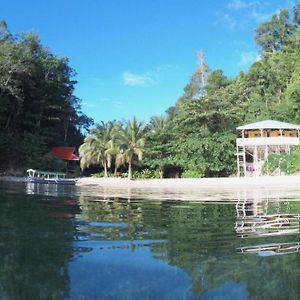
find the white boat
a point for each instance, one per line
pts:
(46, 177)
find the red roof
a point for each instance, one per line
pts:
(65, 153)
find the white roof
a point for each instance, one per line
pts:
(269, 124)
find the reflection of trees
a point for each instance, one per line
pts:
(186, 231)
(201, 240)
(197, 235)
(35, 247)
(112, 220)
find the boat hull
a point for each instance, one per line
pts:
(53, 181)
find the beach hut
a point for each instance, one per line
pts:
(65, 153)
(256, 141)
(67, 156)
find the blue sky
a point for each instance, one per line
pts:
(134, 57)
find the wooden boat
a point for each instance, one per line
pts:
(46, 177)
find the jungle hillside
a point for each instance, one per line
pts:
(193, 138)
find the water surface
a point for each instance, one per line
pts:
(70, 243)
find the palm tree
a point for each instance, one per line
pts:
(132, 142)
(159, 125)
(94, 149)
(113, 146)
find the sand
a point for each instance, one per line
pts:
(203, 189)
(185, 183)
(274, 188)
(228, 182)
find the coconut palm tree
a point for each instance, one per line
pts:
(132, 141)
(113, 146)
(94, 149)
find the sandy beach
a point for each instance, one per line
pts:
(184, 183)
(204, 189)
(229, 182)
(201, 189)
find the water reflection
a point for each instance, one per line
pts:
(35, 248)
(256, 219)
(127, 247)
(272, 249)
(53, 190)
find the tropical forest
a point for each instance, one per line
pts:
(193, 138)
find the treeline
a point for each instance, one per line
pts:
(38, 109)
(196, 137)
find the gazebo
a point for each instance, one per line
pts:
(256, 141)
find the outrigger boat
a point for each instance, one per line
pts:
(46, 177)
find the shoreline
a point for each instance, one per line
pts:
(182, 183)
(221, 189)
(188, 183)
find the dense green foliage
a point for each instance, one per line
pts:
(124, 143)
(95, 148)
(37, 107)
(283, 163)
(197, 135)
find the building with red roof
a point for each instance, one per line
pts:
(65, 153)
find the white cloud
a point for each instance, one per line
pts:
(237, 4)
(248, 58)
(241, 4)
(259, 17)
(142, 80)
(228, 21)
(241, 13)
(149, 78)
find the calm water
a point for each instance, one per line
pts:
(68, 244)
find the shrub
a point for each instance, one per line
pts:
(288, 164)
(146, 174)
(101, 174)
(192, 174)
(272, 164)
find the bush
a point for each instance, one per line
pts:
(192, 174)
(101, 174)
(288, 164)
(273, 163)
(146, 174)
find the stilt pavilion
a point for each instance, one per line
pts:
(256, 141)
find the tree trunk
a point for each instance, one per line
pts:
(129, 171)
(161, 174)
(105, 168)
(66, 127)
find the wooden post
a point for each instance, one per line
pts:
(266, 158)
(238, 160)
(244, 160)
(255, 159)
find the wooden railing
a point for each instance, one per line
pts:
(268, 141)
